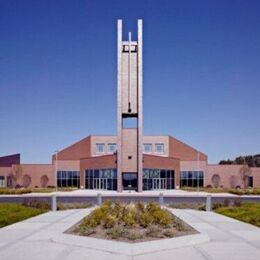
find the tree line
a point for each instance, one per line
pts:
(250, 160)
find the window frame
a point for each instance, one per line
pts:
(158, 145)
(148, 144)
(109, 146)
(97, 149)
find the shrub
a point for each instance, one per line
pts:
(236, 191)
(216, 205)
(116, 210)
(94, 219)
(202, 207)
(65, 206)
(129, 220)
(109, 221)
(134, 235)
(14, 191)
(168, 233)
(226, 202)
(152, 207)
(140, 207)
(86, 231)
(179, 224)
(145, 219)
(162, 217)
(197, 206)
(116, 232)
(153, 231)
(237, 202)
(38, 204)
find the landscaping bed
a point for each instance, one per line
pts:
(251, 191)
(134, 222)
(19, 191)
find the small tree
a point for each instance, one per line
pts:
(232, 181)
(215, 180)
(44, 181)
(245, 172)
(17, 173)
(26, 181)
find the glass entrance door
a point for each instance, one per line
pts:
(159, 183)
(163, 184)
(158, 179)
(130, 181)
(100, 183)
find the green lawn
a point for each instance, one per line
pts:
(12, 212)
(248, 212)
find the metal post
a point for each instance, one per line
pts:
(161, 199)
(99, 199)
(56, 170)
(53, 202)
(208, 203)
(198, 170)
(129, 71)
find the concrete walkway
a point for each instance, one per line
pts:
(84, 192)
(42, 237)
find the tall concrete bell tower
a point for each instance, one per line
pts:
(129, 109)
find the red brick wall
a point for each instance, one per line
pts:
(99, 162)
(255, 172)
(76, 151)
(184, 151)
(7, 161)
(5, 171)
(159, 162)
(35, 172)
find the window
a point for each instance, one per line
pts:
(111, 148)
(156, 179)
(192, 178)
(102, 179)
(100, 148)
(159, 148)
(68, 178)
(147, 148)
(2, 181)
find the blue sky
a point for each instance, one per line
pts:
(58, 73)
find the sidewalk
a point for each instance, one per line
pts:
(104, 193)
(42, 237)
(84, 192)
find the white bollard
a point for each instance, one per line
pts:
(99, 199)
(53, 202)
(208, 203)
(161, 199)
